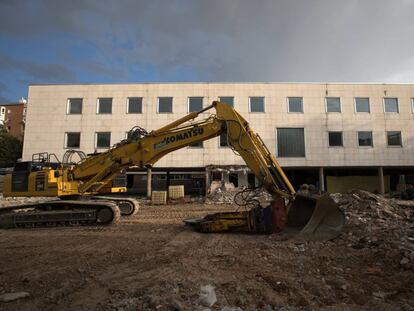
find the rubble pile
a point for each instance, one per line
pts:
(222, 194)
(225, 193)
(376, 222)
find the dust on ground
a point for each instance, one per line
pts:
(151, 261)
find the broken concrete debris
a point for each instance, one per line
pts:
(13, 296)
(379, 223)
(221, 192)
(207, 296)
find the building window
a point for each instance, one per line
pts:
(333, 104)
(3, 110)
(72, 140)
(394, 138)
(196, 145)
(290, 142)
(103, 140)
(134, 105)
(335, 139)
(227, 100)
(195, 104)
(362, 104)
(223, 140)
(295, 104)
(256, 104)
(391, 104)
(104, 105)
(74, 106)
(165, 105)
(365, 139)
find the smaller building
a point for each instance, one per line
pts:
(13, 118)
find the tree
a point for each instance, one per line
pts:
(10, 149)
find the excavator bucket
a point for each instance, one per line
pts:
(316, 218)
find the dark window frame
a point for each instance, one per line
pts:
(189, 103)
(397, 102)
(359, 140)
(263, 103)
(280, 153)
(97, 139)
(301, 104)
(329, 139)
(356, 105)
(129, 102)
(193, 146)
(326, 104)
(388, 139)
(67, 140)
(172, 104)
(224, 134)
(232, 97)
(98, 108)
(69, 105)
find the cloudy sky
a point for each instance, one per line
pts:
(81, 41)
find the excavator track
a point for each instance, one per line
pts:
(58, 213)
(127, 206)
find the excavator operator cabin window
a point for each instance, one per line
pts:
(104, 106)
(227, 100)
(165, 105)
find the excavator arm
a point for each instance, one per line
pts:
(96, 171)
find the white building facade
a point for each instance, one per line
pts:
(312, 128)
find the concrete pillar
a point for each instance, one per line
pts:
(242, 179)
(381, 180)
(321, 179)
(208, 180)
(168, 180)
(149, 182)
(225, 176)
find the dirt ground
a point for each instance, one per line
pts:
(151, 261)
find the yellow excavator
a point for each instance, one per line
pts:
(84, 188)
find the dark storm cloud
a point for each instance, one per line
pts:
(43, 72)
(222, 40)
